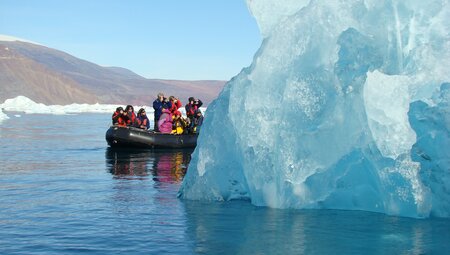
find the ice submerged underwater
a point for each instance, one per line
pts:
(345, 106)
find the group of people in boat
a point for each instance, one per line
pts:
(167, 117)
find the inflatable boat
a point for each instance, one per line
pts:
(134, 137)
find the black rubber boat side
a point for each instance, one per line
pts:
(134, 137)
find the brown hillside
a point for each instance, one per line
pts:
(50, 76)
(22, 76)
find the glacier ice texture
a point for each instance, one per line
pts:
(345, 106)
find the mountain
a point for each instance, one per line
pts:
(20, 75)
(51, 76)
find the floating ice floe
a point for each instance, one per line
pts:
(28, 106)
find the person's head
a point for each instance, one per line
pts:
(191, 100)
(172, 98)
(129, 108)
(119, 109)
(141, 112)
(160, 96)
(198, 113)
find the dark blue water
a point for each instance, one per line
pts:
(63, 191)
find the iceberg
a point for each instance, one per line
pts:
(345, 106)
(3, 116)
(28, 106)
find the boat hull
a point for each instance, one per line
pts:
(133, 137)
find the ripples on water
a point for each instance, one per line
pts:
(63, 191)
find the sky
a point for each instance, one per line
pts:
(163, 39)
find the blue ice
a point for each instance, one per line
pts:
(345, 106)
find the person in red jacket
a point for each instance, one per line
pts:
(129, 110)
(191, 108)
(120, 117)
(175, 105)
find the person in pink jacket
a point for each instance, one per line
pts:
(165, 121)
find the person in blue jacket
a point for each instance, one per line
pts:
(142, 120)
(158, 106)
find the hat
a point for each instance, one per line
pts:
(191, 99)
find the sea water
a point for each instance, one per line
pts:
(64, 191)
